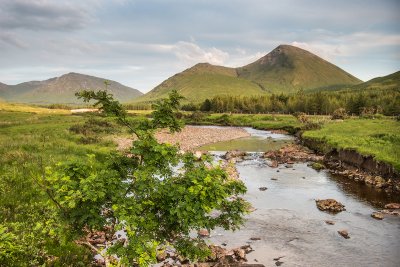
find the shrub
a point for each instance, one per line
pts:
(224, 119)
(339, 114)
(301, 116)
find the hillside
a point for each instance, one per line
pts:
(203, 81)
(62, 89)
(391, 81)
(288, 69)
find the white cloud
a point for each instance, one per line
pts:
(192, 53)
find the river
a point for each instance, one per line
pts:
(290, 226)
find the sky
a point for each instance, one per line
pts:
(140, 43)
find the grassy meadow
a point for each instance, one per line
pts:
(377, 137)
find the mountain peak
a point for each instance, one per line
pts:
(62, 89)
(289, 68)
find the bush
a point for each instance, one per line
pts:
(339, 114)
(309, 125)
(224, 119)
(197, 116)
(93, 126)
(301, 116)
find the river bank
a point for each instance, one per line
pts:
(366, 150)
(192, 137)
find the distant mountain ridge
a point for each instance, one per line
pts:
(285, 69)
(391, 81)
(62, 89)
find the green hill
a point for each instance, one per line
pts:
(62, 89)
(391, 81)
(288, 69)
(203, 81)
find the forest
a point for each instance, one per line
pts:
(386, 102)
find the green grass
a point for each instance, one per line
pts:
(377, 137)
(258, 121)
(5, 106)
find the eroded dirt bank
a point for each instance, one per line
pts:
(356, 166)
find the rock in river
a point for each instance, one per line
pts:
(329, 205)
(234, 154)
(377, 215)
(392, 206)
(344, 233)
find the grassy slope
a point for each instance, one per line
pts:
(379, 138)
(5, 106)
(287, 69)
(386, 82)
(203, 81)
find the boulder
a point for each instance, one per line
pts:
(392, 206)
(330, 205)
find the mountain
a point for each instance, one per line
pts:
(289, 68)
(203, 81)
(286, 69)
(62, 89)
(391, 81)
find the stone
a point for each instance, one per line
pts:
(234, 154)
(263, 188)
(161, 256)
(273, 164)
(392, 206)
(274, 179)
(198, 155)
(247, 248)
(379, 182)
(330, 205)
(393, 212)
(344, 233)
(255, 238)
(317, 166)
(377, 215)
(203, 233)
(240, 253)
(329, 222)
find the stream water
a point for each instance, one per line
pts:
(289, 225)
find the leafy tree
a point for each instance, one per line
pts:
(154, 195)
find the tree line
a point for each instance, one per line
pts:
(385, 102)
